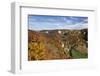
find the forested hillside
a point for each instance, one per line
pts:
(57, 44)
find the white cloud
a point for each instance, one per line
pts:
(36, 25)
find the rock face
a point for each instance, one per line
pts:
(56, 44)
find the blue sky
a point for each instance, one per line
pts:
(43, 22)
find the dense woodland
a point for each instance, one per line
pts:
(57, 44)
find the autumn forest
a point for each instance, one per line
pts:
(57, 44)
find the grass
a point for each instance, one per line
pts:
(77, 54)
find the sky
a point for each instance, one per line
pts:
(48, 22)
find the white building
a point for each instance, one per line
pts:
(47, 32)
(59, 32)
